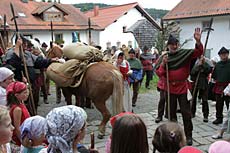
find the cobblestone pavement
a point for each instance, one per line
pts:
(147, 109)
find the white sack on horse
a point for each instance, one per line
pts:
(81, 51)
(68, 73)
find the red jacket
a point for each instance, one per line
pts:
(178, 83)
(161, 83)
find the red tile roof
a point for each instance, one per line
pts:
(108, 15)
(76, 20)
(198, 8)
(43, 8)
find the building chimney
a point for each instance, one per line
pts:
(96, 10)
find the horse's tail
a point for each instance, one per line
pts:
(118, 91)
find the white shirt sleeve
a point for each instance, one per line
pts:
(227, 90)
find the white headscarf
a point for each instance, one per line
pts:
(33, 127)
(5, 73)
(63, 124)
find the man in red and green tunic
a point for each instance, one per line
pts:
(178, 61)
(221, 74)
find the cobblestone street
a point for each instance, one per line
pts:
(147, 109)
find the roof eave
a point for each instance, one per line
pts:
(192, 17)
(138, 7)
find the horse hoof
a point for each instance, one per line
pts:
(100, 136)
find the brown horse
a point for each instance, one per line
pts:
(101, 80)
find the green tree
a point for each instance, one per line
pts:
(49, 1)
(168, 28)
(43, 0)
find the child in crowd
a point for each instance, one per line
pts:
(219, 147)
(6, 130)
(112, 122)
(64, 129)
(129, 135)
(6, 77)
(189, 149)
(17, 93)
(168, 137)
(33, 134)
(225, 125)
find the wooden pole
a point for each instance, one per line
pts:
(205, 46)
(167, 73)
(5, 36)
(168, 90)
(89, 24)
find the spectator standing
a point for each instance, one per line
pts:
(147, 62)
(136, 76)
(221, 75)
(177, 71)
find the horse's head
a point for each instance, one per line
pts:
(55, 51)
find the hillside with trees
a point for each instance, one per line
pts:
(155, 13)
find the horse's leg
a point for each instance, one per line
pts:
(106, 116)
(67, 94)
(88, 103)
(77, 100)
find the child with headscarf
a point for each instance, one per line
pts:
(220, 146)
(6, 77)
(64, 129)
(33, 134)
(16, 94)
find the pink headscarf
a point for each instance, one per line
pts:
(219, 147)
(189, 149)
(15, 87)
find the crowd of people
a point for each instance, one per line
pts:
(184, 75)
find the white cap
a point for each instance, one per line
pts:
(5, 73)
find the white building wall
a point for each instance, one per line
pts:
(218, 38)
(114, 32)
(45, 36)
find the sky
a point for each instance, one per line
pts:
(158, 4)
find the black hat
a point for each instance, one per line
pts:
(44, 44)
(98, 47)
(131, 51)
(172, 40)
(145, 48)
(223, 50)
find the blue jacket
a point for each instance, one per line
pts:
(136, 75)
